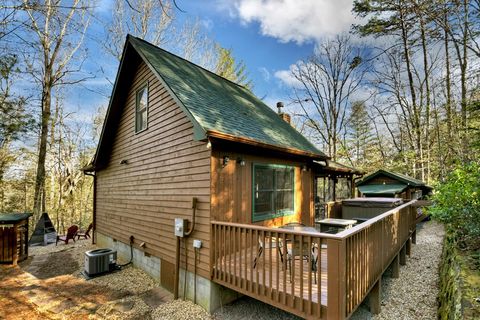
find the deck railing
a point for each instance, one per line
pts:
(313, 275)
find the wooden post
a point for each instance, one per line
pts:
(409, 247)
(396, 267)
(336, 286)
(375, 297)
(414, 236)
(403, 257)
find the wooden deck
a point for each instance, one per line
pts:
(351, 263)
(281, 278)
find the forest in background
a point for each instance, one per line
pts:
(400, 91)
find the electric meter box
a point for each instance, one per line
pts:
(180, 225)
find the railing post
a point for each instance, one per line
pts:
(336, 285)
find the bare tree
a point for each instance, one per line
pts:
(147, 19)
(53, 36)
(327, 83)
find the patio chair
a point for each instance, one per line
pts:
(305, 252)
(85, 234)
(259, 253)
(314, 261)
(71, 233)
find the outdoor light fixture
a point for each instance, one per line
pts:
(124, 161)
(209, 144)
(225, 161)
(304, 168)
(241, 162)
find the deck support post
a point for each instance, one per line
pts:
(396, 267)
(403, 255)
(375, 297)
(414, 236)
(409, 247)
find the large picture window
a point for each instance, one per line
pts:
(273, 191)
(141, 109)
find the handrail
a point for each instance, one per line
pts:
(341, 235)
(279, 230)
(349, 232)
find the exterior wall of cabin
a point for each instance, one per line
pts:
(232, 186)
(165, 169)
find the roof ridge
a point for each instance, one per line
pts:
(188, 61)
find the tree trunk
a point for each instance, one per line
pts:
(427, 96)
(39, 194)
(448, 105)
(416, 115)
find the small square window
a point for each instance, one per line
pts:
(141, 109)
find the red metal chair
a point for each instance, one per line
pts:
(85, 234)
(71, 233)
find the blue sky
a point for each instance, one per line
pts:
(268, 35)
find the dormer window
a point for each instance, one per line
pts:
(141, 109)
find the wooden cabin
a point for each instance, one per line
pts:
(384, 183)
(180, 142)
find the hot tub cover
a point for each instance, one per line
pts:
(373, 202)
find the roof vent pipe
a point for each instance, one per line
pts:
(285, 116)
(279, 107)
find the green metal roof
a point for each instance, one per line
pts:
(6, 218)
(378, 189)
(394, 175)
(215, 104)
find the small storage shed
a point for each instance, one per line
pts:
(383, 183)
(13, 237)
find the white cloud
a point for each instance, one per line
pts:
(298, 21)
(287, 78)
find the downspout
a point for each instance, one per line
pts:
(186, 234)
(94, 213)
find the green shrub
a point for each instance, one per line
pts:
(456, 202)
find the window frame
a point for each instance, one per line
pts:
(145, 86)
(256, 217)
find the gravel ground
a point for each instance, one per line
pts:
(413, 295)
(180, 310)
(248, 308)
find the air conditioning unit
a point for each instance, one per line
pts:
(99, 261)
